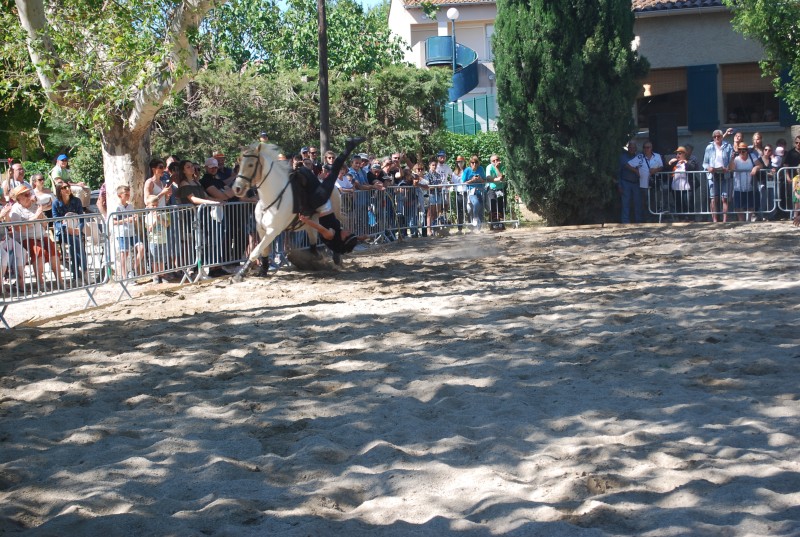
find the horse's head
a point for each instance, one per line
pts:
(250, 171)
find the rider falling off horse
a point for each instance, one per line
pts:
(340, 241)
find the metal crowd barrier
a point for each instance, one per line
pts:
(52, 256)
(183, 242)
(685, 196)
(152, 244)
(788, 190)
(411, 211)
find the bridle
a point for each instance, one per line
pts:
(249, 180)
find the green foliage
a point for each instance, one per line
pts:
(87, 164)
(429, 8)
(37, 166)
(98, 56)
(258, 33)
(483, 144)
(774, 24)
(396, 107)
(566, 82)
(241, 31)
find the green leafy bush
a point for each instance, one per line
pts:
(87, 165)
(483, 144)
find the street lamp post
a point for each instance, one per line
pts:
(452, 14)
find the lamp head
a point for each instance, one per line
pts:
(452, 13)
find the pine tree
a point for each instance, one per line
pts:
(566, 83)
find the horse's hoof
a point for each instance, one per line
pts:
(237, 278)
(337, 258)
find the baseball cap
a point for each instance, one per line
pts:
(212, 163)
(218, 154)
(441, 154)
(62, 157)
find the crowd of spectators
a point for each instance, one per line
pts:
(393, 193)
(730, 180)
(32, 239)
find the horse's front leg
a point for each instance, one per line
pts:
(261, 251)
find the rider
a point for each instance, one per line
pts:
(330, 229)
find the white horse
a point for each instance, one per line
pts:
(275, 210)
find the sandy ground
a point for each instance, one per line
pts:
(616, 381)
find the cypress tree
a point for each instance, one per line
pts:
(566, 83)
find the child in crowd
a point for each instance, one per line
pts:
(157, 223)
(126, 233)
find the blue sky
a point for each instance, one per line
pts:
(368, 3)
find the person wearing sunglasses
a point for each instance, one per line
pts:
(43, 195)
(154, 186)
(744, 192)
(33, 235)
(475, 177)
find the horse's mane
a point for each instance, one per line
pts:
(269, 152)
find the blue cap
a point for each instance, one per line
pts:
(62, 157)
(304, 149)
(441, 154)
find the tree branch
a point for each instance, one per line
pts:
(176, 71)
(34, 22)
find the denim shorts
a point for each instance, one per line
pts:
(724, 187)
(126, 243)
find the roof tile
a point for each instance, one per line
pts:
(638, 5)
(661, 5)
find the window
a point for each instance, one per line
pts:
(489, 34)
(663, 91)
(747, 96)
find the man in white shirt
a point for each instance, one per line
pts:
(647, 164)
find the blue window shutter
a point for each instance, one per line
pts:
(785, 115)
(702, 94)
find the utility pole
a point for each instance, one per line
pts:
(324, 98)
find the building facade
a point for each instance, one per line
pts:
(704, 75)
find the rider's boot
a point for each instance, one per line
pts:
(352, 143)
(263, 270)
